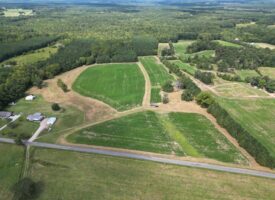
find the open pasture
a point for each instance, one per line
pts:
(265, 45)
(11, 163)
(18, 12)
(268, 71)
(256, 116)
(228, 44)
(181, 46)
(120, 85)
(72, 175)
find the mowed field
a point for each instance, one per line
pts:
(11, 163)
(122, 86)
(181, 46)
(71, 175)
(177, 133)
(256, 116)
(31, 58)
(268, 71)
(185, 66)
(158, 75)
(228, 44)
(18, 12)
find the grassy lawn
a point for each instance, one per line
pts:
(268, 71)
(256, 116)
(31, 58)
(120, 85)
(11, 162)
(3, 122)
(66, 118)
(158, 75)
(140, 131)
(185, 67)
(245, 73)
(265, 45)
(205, 138)
(71, 175)
(205, 53)
(236, 89)
(227, 44)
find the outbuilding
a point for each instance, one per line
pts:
(30, 97)
(51, 121)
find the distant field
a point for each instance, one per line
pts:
(246, 73)
(178, 133)
(265, 45)
(206, 54)
(256, 116)
(161, 47)
(185, 67)
(245, 24)
(66, 118)
(181, 46)
(157, 73)
(205, 138)
(120, 85)
(71, 175)
(18, 12)
(234, 89)
(31, 58)
(268, 71)
(11, 163)
(228, 44)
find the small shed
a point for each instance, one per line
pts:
(30, 97)
(36, 117)
(51, 121)
(5, 114)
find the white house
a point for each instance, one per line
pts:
(30, 97)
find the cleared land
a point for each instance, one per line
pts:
(181, 46)
(157, 73)
(256, 116)
(18, 12)
(268, 71)
(66, 118)
(227, 44)
(185, 67)
(245, 24)
(265, 45)
(103, 177)
(11, 162)
(177, 133)
(120, 85)
(140, 131)
(246, 73)
(31, 58)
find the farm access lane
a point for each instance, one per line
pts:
(147, 158)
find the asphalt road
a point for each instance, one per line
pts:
(149, 158)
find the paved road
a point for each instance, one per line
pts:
(148, 158)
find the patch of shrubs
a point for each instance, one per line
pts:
(229, 77)
(205, 77)
(263, 82)
(205, 99)
(55, 107)
(168, 87)
(62, 85)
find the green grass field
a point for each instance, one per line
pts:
(181, 46)
(71, 175)
(256, 116)
(66, 118)
(157, 73)
(227, 44)
(268, 71)
(205, 138)
(120, 85)
(140, 131)
(185, 67)
(246, 73)
(11, 162)
(180, 133)
(34, 57)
